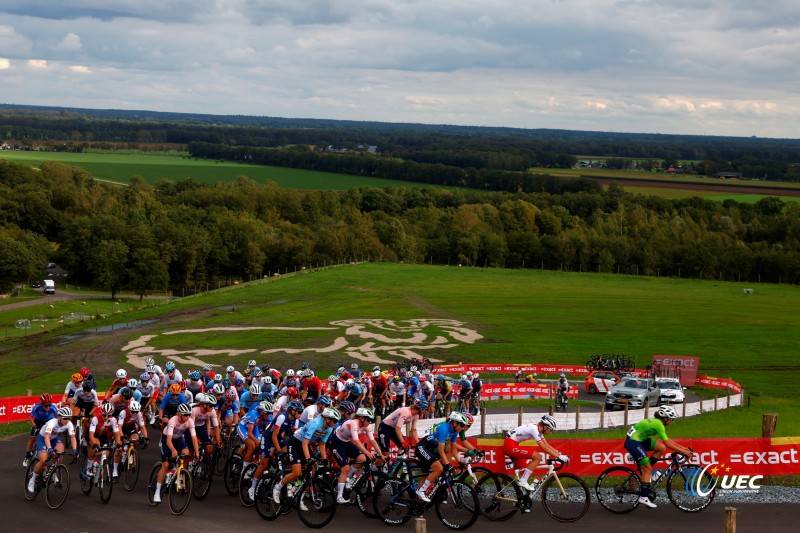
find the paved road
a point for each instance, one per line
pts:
(129, 511)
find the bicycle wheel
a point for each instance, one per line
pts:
(131, 466)
(393, 501)
(233, 471)
(57, 487)
(180, 492)
(28, 473)
(265, 506)
(459, 508)
(219, 460)
(86, 478)
(617, 489)
(566, 498)
(201, 478)
(245, 482)
(498, 497)
(316, 503)
(151, 484)
(691, 489)
(364, 490)
(105, 486)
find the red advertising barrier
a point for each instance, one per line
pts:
(732, 457)
(718, 383)
(523, 390)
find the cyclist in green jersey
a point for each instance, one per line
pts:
(640, 440)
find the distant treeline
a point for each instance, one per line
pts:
(505, 149)
(181, 234)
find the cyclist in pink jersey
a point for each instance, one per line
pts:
(346, 445)
(391, 427)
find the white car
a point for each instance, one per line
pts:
(671, 390)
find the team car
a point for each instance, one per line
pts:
(633, 392)
(600, 381)
(671, 390)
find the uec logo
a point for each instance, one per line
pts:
(701, 483)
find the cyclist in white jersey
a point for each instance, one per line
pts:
(528, 458)
(206, 424)
(49, 440)
(346, 444)
(391, 427)
(174, 444)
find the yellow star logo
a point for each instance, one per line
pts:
(714, 471)
(728, 469)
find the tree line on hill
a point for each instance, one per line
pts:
(184, 234)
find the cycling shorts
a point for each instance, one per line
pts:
(639, 449)
(342, 451)
(202, 435)
(295, 452)
(42, 447)
(425, 456)
(386, 435)
(179, 444)
(85, 407)
(519, 453)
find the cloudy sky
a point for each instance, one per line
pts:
(717, 67)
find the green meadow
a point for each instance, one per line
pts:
(522, 316)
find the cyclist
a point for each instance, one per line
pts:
(477, 386)
(640, 439)
(250, 427)
(336, 388)
(84, 403)
(169, 405)
(173, 376)
(102, 431)
(195, 385)
(207, 377)
(465, 390)
(131, 424)
(317, 430)
(268, 389)
(397, 389)
(250, 398)
(380, 391)
(431, 453)
(528, 458)
(282, 402)
(147, 389)
(232, 374)
(346, 445)
(74, 385)
(291, 381)
(206, 425)
(120, 382)
(173, 443)
(518, 376)
(462, 435)
(391, 428)
(49, 440)
(121, 400)
(354, 371)
(353, 392)
(312, 387)
(88, 377)
(273, 439)
(444, 392)
(41, 414)
(314, 409)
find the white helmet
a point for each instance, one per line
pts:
(218, 388)
(354, 366)
(340, 370)
(255, 389)
(135, 407)
(331, 378)
(252, 362)
(122, 374)
(230, 369)
(665, 411)
(376, 374)
(132, 383)
(349, 384)
(290, 373)
(476, 375)
(469, 373)
(463, 376)
(548, 421)
(267, 380)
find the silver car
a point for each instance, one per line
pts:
(671, 390)
(633, 392)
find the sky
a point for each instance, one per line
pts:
(708, 67)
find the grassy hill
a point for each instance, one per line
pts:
(454, 314)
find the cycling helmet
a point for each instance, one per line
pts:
(305, 365)
(206, 367)
(366, 413)
(122, 374)
(667, 412)
(255, 389)
(184, 409)
(66, 412)
(562, 375)
(126, 393)
(421, 404)
(210, 399)
(354, 366)
(265, 407)
(258, 372)
(135, 406)
(175, 388)
(331, 413)
(252, 362)
(341, 370)
(475, 375)
(238, 382)
(290, 373)
(349, 384)
(463, 377)
(231, 394)
(77, 378)
(469, 373)
(230, 369)
(332, 378)
(324, 400)
(86, 386)
(440, 378)
(46, 398)
(132, 383)
(226, 383)
(470, 419)
(291, 391)
(150, 362)
(295, 404)
(170, 366)
(144, 377)
(458, 417)
(150, 368)
(267, 380)
(396, 378)
(84, 372)
(194, 375)
(107, 409)
(218, 389)
(246, 372)
(376, 367)
(218, 378)
(376, 374)
(548, 421)
(347, 408)
(310, 373)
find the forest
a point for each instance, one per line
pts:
(183, 234)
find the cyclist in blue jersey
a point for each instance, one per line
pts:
(433, 452)
(250, 427)
(318, 429)
(42, 412)
(249, 399)
(169, 405)
(273, 439)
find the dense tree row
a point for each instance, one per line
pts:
(185, 233)
(507, 149)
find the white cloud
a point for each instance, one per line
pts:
(5, 63)
(70, 43)
(80, 69)
(38, 64)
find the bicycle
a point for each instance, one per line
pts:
(618, 488)
(222, 453)
(456, 503)
(129, 463)
(313, 497)
(561, 400)
(54, 479)
(177, 485)
(565, 497)
(202, 472)
(100, 474)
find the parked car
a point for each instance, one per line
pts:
(633, 392)
(600, 381)
(671, 390)
(36, 284)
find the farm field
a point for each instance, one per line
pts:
(666, 192)
(120, 168)
(379, 312)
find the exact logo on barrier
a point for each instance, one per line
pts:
(702, 482)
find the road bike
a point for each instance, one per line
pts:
(129, 463)
(689, 486)
(565, 496)
(561, 400)
(100, 474)
(54, 479)
(202, 472)
(177, 486)
(312, 496)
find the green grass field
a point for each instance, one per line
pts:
(523, 316)
(120, 168)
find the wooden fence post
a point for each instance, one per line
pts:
(519, 416)
(577, 418)
(647, 410)
(602, 414)
(728, 400)
(768, 423)
(483, 421)
(684, 409)
(730, 520)
(626, 416)
(715, 402)
(421, 527)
